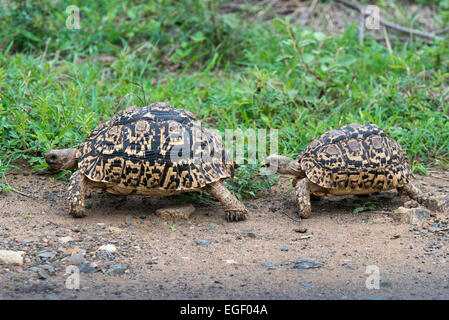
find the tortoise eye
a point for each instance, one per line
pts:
(51, 158)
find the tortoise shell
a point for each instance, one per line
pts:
(154, 147)
(356, 157)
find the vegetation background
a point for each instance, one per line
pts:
(234, 68)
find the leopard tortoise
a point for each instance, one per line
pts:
(355, 159)
(153, 150)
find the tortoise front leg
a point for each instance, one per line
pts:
(77, 194)
(234, 209)
(303, 192)
(416, 194)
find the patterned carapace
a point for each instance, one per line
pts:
(356, 157)
(154, 147)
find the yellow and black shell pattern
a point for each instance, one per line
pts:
(356, 157)
(154, 147)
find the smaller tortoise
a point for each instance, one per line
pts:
(154, 150)
(355, 159)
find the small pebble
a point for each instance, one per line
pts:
(248, 234)
(76, 259)
(203, 242)
(305, 264)
(85, 268)
(117, 269)
(44, 254)
(307, 285)
(270, 266)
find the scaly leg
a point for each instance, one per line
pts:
(416, 194)
(234, 209)
(76, 194)
(303, 192)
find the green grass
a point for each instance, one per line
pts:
(57, 84)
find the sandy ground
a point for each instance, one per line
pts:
(206, 257)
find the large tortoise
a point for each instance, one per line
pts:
(355, 159)
(154, 150)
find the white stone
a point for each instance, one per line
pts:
(65, 239)
(11, 257)
(115, 229)
(108, 248)
(230, 261)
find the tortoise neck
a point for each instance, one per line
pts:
(72, 161)
(286, 165)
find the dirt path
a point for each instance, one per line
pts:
(208, 258)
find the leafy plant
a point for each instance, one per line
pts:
(364, 206)
(247, 181)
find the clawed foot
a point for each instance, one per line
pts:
(304, 211)
(304, 206)
(235, 215)
(77, 211)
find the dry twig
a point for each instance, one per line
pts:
(387, 42)
(305, 16)
(15, 190)
(362, 25)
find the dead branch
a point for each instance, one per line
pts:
(442, 31)
(361, 9)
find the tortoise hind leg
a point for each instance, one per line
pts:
(234, 209)
(415, 193)
(77, 194)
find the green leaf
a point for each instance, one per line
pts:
(319, 36)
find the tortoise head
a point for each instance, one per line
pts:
(62, 159)
(283, 165)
